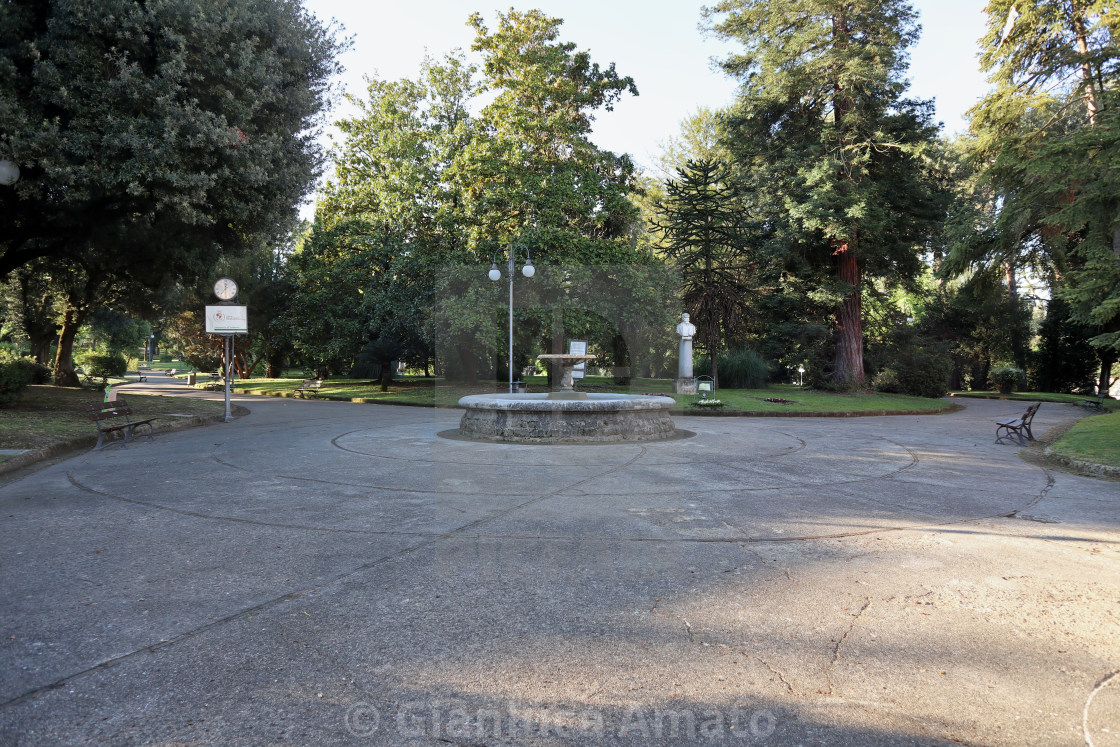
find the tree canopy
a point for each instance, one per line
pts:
(152, 137)
(822, 127)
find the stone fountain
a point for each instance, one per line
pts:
(565, 416)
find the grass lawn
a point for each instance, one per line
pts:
(1070, 399)
(47, 415)
(428, 392)
(1095, 439)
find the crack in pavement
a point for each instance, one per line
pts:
(839, 643)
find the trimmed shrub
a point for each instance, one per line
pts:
(920, 367)
(1005, 378)
(102, 365)
(165, 357)
(16, 374)
(738, 369)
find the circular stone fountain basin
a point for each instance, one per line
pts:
(535, 418)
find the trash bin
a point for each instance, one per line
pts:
(518, 387)
(191, 378)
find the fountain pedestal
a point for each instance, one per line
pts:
(563, 364)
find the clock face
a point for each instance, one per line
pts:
(225, 289)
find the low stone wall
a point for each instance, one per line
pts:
(533, 418)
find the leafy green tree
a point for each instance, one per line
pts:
(327, 317)
(431, 193)
(700, 139)
(821, 125)
(31, 307)
(154, 136)
(1064, 361)
(1048, 135)
(393, 171)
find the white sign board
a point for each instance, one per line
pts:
(227, 320)
(578, 347)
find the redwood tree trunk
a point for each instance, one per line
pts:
(849, 323)
(64, 374)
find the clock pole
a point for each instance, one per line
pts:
(226, 290)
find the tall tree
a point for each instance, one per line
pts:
(533, 168)
(152, 137)
(821, 124)
(1049, 137)
(705, 236)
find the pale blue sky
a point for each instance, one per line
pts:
(657, 42)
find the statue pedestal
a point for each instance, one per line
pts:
(685, 385)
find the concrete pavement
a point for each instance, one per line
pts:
(332, 573)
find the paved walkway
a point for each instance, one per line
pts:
(330, 573)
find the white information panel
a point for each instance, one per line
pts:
(578, 347)
(227, 320)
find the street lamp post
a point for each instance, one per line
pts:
(495, 274)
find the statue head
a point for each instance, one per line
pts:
(684, 317)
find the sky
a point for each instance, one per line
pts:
(657, 42)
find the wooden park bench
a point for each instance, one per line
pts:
(309, 388)
(1017, 426)
(106, 415)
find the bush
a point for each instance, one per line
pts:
(165, 357)
(738, 369)
(1006, 377)
(40, 374)
(918, 366)
(102, 365)
(16, 374)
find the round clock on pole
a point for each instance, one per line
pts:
(225, 289)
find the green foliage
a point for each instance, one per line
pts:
(375, 360)
(17, 373)
(1049, 140)
(153, 137)
(916, 366)
(978, 323)
(165, 357)
(327, 317)
(118, 331)
(738, 369)
(1065, 361)
(129, 151)
(427, 195)
(1006, 377)
(834, 153)
(706, 238)
(102, 366)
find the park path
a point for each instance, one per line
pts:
(331, 573)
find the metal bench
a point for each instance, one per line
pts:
(309, 388)
(103, 414)
(1017, 426)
